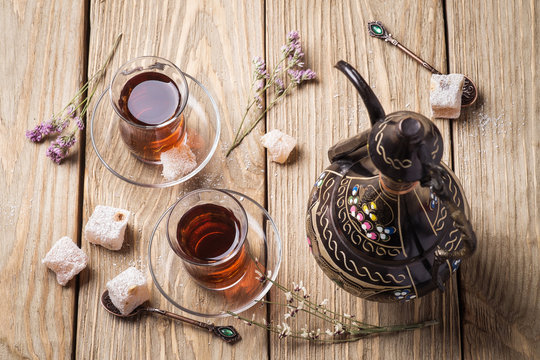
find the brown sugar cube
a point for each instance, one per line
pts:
(107, 227)
(445, 95)
(128, 290)
(279, 145)
(65, 259)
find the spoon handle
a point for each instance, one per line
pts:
(377, 29)
(225, 333)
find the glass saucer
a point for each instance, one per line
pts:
(202, 125)
(181, 290)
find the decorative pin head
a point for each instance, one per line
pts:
(376, 29)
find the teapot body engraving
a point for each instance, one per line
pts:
(377, 223)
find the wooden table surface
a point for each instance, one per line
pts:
(49, 48)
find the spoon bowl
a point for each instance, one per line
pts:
(109, 306)
(470, 94)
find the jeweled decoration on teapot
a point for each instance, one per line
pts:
(387, 220)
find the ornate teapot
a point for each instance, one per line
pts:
(387, 220)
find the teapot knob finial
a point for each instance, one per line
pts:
(411, 129)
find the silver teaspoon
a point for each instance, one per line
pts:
(376, 29)
(225, 333)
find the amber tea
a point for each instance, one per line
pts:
(149, 99)
(150, 102)
(208, 232)
(149, 94)
(210, 239)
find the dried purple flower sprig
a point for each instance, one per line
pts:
(59, 148)
(289, 66)
(343, 327)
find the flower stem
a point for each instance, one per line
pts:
(99, 75)
(269, 83)
(348, 336)
(259, 118)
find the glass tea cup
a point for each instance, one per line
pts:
(149, 94)
(207, 229)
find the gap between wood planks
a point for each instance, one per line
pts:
(82, 163)
(452, 159)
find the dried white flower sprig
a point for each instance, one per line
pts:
(59, 148)
(288, 74)
(341, 327)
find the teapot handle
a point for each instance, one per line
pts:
(352, 148)
(433, 179)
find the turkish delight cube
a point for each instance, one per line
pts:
(65, 259)
(445, 97)
(128, 290)
(107, 227)
(177, 162)
(279, 145)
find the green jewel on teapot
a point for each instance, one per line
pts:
(387, 220)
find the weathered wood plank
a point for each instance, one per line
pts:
(42, 46)
(212, 41)
(321, 114)
(496, 150)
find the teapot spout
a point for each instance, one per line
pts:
(374, 108)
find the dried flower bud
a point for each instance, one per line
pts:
(338, 329)
(293, 36)
(308, 75)
(260, 68)
(259, 101)
(60, 147)
(260, 276)
(289, 297)
(79, 123)
(285, 332)
(279, 86)
(70, 111)
(259, 85)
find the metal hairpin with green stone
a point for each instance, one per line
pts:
(377, 29)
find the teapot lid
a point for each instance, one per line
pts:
(399, 144)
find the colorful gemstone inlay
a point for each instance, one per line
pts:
(390, 230)
(455, 264)
(365, 208)
(360, 216)
(380, 228)
(373, 206)
(372, 216)
(434, 201)
(356, 200)
(404, 294)
(366, 225)
(319, 183)
(355, 190)
(383, 236)
(350, 200)
(376, 29)
(353, 210)
(371, 235)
